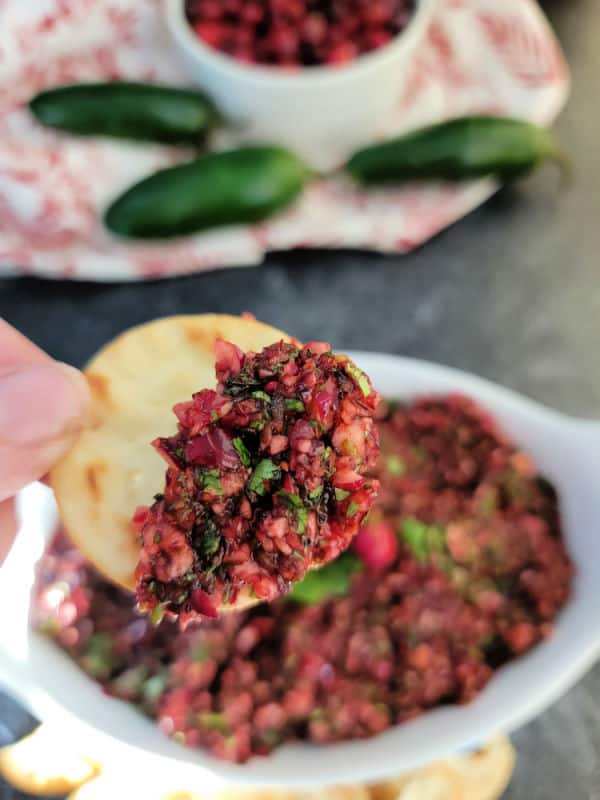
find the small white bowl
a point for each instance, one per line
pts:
(566, 451)
(323, 113)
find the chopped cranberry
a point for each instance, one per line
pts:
(202, 605)
(140, 516)
(377, 546)
(213, 33)
(314, 29)
(229, 358)
(253, 13)
(213, 449)
(342, 53)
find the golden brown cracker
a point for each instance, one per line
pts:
(135, 381)
(486, 773)
(42, 764)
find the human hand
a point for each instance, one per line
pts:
(43, 407)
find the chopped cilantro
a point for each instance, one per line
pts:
(200, 652)
(359, 376)
(156, 538)
(302, 518)
(99, 657)
(516, 487)
(243, 451)
(422, 540)
(294, 405)
(395, 466)
(179, 452)
(154, 687)
(257, 424)
(213, 721)
(260, 395)
(294, 502)
(210, 542)
(315, 495)
(240, 384)
(341, 494)
(332, 580)
(413, 535)
(290, 499)
(271, 737)
(352, 510)
(444, 563)
(489, 502)
(211, 480)
(158, 613)
(319, 427)
(436, 539)
(265, 470)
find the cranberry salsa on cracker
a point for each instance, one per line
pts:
(266, 479)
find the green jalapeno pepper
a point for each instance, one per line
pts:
(226, 188)
(460, 149)
(128, 110)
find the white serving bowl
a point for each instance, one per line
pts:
(567, 452)
(323, 113)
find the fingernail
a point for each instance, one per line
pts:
(42, 404)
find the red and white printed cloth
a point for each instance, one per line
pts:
(480, 56)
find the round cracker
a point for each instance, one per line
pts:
(43, 764)
(486, 773)
(327, 793)
(135, 382)
(182, 796)
(255, 794)
(103, 787)
(437, 782)
(336, 793)
(388, 790)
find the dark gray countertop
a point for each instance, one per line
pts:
(511, 292)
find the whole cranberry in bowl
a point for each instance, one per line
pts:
(318, 76)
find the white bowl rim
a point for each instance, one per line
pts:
(257, 75)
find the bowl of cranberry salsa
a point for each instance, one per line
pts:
(460, 569)
(315, 75)
(295, 34)
(467, 605)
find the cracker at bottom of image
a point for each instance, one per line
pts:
(42, 764)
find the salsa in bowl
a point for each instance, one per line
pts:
(322, 111)
(295, 34)
(459, 569)
(516, 692)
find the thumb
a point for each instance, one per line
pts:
(43, 407)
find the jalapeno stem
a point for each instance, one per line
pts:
(556, 155)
